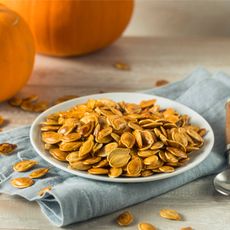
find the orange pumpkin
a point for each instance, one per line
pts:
(17, 51)
(73, 27)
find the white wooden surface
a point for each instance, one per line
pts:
(150, 59)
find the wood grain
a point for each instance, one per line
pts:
(150, 59)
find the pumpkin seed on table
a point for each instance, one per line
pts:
(125, 218)
(22, 182)
(7, 148)
(15, 101)
(121, 66)
(146, 226)
(38, 173)
(160, 83)
(170, 214)
(25, 165)
(186, 228)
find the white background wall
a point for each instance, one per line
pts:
(180, 18)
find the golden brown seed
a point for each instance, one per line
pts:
(125, 219)
(70, 146)
(157, 145)
(128, 140)
(194, 135)
(92, 160)
(146, 226)
(170, 157)
(27, 106)
(15, 101)
(58, 154)
(39, 173)
(79, 165)
(51, 137)
(167, 169)
(71, 137)
(147, 153)
(170, 214)
(148, 103)
(119, 157)
(7, 148)
(115, 172)
(98, 171)
(86, 146)
(49, 128)
(186, 228)
(177, 152)
(161, 83)
(101, 164)
(43, 191)
(23, 166)
(121, 66)
(22, 182)
(152, 160)
(147, 172)
(134, 167)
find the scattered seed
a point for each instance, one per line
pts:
(125, 219)
(122, 66)
(146, 226)
(170, 214)
(7, 148)
(25, 165)
(22, 182)
(38, 173)
(161, 83)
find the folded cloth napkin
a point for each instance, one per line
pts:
(73, 199)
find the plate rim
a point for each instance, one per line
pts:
(61, 165)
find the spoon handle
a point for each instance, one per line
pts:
(227, 124)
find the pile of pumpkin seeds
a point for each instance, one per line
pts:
(104, 137)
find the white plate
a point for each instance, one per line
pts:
(196, 119)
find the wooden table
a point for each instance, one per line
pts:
(150, 59)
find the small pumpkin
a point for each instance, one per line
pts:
(73, 27)
(17, 51)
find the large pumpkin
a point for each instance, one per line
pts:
(17, 51)
(73, 27)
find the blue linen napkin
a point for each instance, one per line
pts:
(73, 199)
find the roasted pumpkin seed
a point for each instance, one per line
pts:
(146, 226)
(125, 218)
(38, 173)
(170, 214)
(7, 148)
(25, 165)
(22, 182)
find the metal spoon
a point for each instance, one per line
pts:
(222, 180)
